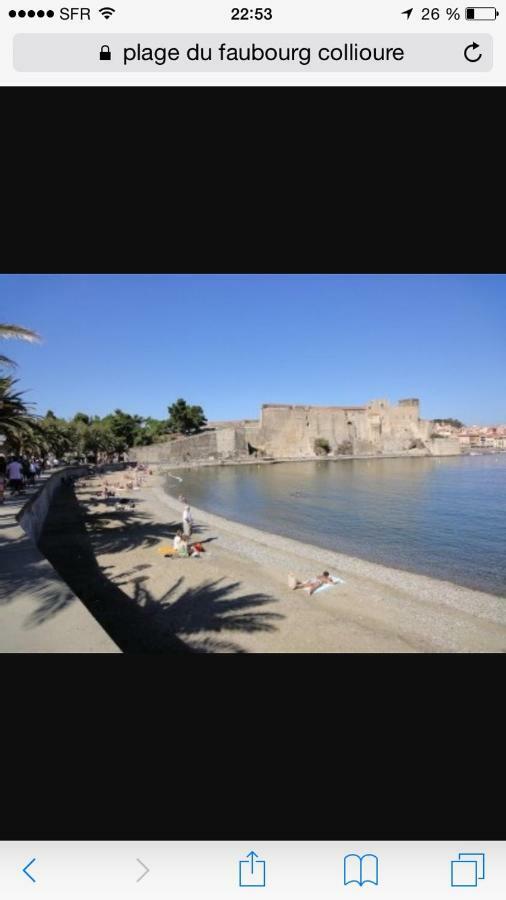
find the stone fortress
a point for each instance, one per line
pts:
(288, 432)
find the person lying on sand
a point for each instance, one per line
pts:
(312, 585)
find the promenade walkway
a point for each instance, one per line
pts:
(38, 611)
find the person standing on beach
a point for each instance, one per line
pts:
(187, 521)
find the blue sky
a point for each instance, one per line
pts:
(233, 342)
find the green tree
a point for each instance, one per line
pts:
(186, 419)
(81, 417)
(152, 431)
(124, 428)
(455, 422)
(99, 442)
(61, 438)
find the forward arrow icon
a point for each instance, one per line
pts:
(146, 870)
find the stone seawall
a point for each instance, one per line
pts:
(33, 514)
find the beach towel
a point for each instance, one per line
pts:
(324, 587)
(165, 550)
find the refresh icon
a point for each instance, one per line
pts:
(470, 49)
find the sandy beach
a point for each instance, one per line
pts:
(235, 597)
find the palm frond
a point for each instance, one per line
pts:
(8, 363)
(17, 331)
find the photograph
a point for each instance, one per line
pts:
(252, 463)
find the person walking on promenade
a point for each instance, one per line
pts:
(25, 468)
(187, 521)
(15, 476)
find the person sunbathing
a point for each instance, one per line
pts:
(312, 584)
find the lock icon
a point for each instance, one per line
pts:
(105, 53)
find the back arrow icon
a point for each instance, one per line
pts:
(144, 873)
(25, 870)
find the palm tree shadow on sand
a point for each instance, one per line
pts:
(181, 621)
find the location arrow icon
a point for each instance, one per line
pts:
(407, 12)
(146, 870)
(25, 870)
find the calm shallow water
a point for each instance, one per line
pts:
(440, 517)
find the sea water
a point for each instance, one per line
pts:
(444, 517)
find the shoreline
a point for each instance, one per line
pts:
(313, 550)
(166, 465)
(202, 464)
(162, 474)
(232, 524)
(235, 597)
(410, 594)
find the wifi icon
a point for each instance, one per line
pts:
(107, 11)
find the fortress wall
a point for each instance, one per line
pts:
(292, 430)
(226, 443)
(284, 427)
(230, 441)
(444, 447)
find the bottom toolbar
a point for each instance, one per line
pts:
(222, 869)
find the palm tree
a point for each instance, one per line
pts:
(9, 332)
(16, 421)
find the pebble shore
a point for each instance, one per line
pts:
(235, 598)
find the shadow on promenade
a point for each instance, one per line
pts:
(21, 569)
(174, 623)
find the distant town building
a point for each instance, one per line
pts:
(491, 437)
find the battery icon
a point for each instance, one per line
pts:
(482, 13)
